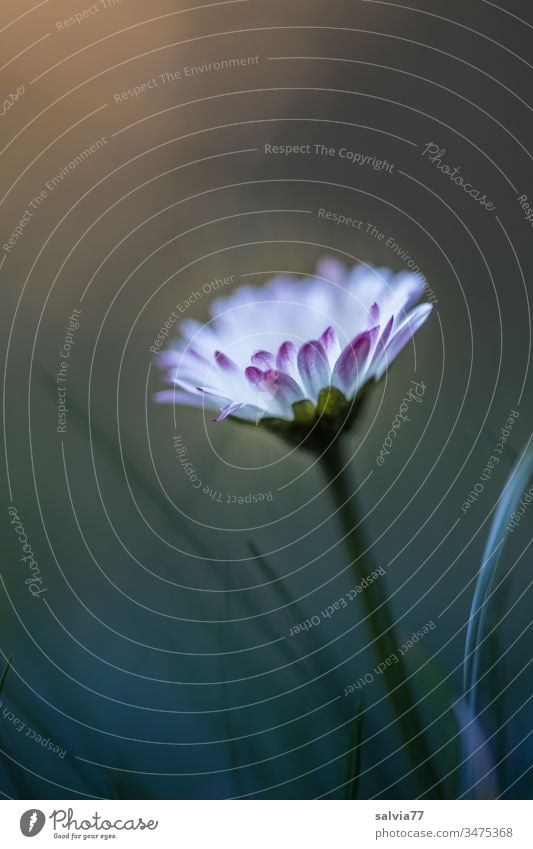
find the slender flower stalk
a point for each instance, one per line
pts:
(380, 621)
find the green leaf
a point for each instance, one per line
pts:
(509, 499)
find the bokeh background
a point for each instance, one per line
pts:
(159, 660)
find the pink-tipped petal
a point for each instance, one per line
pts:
(415, 318)
(383, 339)
(287, 357)
(263, 360)
(225, 362)
(330, 343)
(287, 391)
(313, 367)
(373, 314)
(276, 391)
(405, 332)
(350, 368)
(255, 376)
(388, 330)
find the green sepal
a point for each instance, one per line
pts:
(331, 401)
(304, 412)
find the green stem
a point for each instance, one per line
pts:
(381, 623)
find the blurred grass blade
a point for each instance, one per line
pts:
(278, 587)
(277, 584)
(320, 661)
(510, 497)
(236, 773)
(353, 776)
(478, 769)
(4, 673)
(439, 696)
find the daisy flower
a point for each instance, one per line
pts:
(296, 355)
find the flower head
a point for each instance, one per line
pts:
(296, 355)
